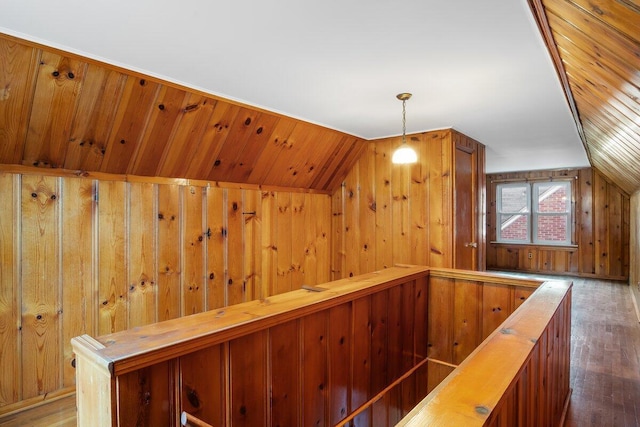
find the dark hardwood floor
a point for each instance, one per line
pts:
(605, 363)
(605, 356)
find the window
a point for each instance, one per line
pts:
(538, 212)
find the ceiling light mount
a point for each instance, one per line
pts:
(405, 96)
(404, 154)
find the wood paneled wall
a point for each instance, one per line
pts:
(104, 253)
(634, 256)
(600, 230)
(62, 110)
(386, 214)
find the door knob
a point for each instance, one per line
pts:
(471, 245)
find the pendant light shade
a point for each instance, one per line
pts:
(404, 154)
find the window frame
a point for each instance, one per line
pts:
(533, 213)
(500, 212)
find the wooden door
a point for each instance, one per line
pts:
(465, 185)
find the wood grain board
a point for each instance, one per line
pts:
(595, 47)
(94, 256)
(65, 110)
(388, 214)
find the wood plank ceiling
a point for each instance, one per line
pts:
(595, 45)
(59, 110)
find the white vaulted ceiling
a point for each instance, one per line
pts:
(478, 66)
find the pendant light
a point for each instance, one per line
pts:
(404, 154)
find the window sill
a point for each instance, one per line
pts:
(533, 245)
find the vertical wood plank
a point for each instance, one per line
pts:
(269, 248)
(248, 358)
(615, 244)
(216, 248)
(440, 324)
(235, 248)
(367, 209)
(203, 385)
(285, 374)
(400, 206)
(395, 333)
(283, 240)
(496, 307)
(339, 362)
(321, 215)
(314, 369)
(520, 296)
(419, 195)
(112, 257)
(466, 318)
(193, 284)
(169, 238)
(379, 341)
(440, 196)
(142, 254)
(361, 355)
(253, 245)
(145, 397)
(301, 242)
(78, 303)
(421, 338)
(600, 231)
(338, 251)
(41, 304)
(383, 243)
(10, 224)
(313, 229)
(351, 230)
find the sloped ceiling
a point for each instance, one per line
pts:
(287, 93)
(479, 67)
(596, 47)
(63, 111)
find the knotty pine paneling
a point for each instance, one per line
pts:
(143, 211)
(41, 305)
(78, 217)
(594, 46)
(10, 337)
(600, 230)
(62, 110)
(18, 64)
(203, 384)
(386, 214)
(100, 254)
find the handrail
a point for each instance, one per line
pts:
(479, 386)
(132, 349)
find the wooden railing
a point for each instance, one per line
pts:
(357, 350)
(518, 376)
